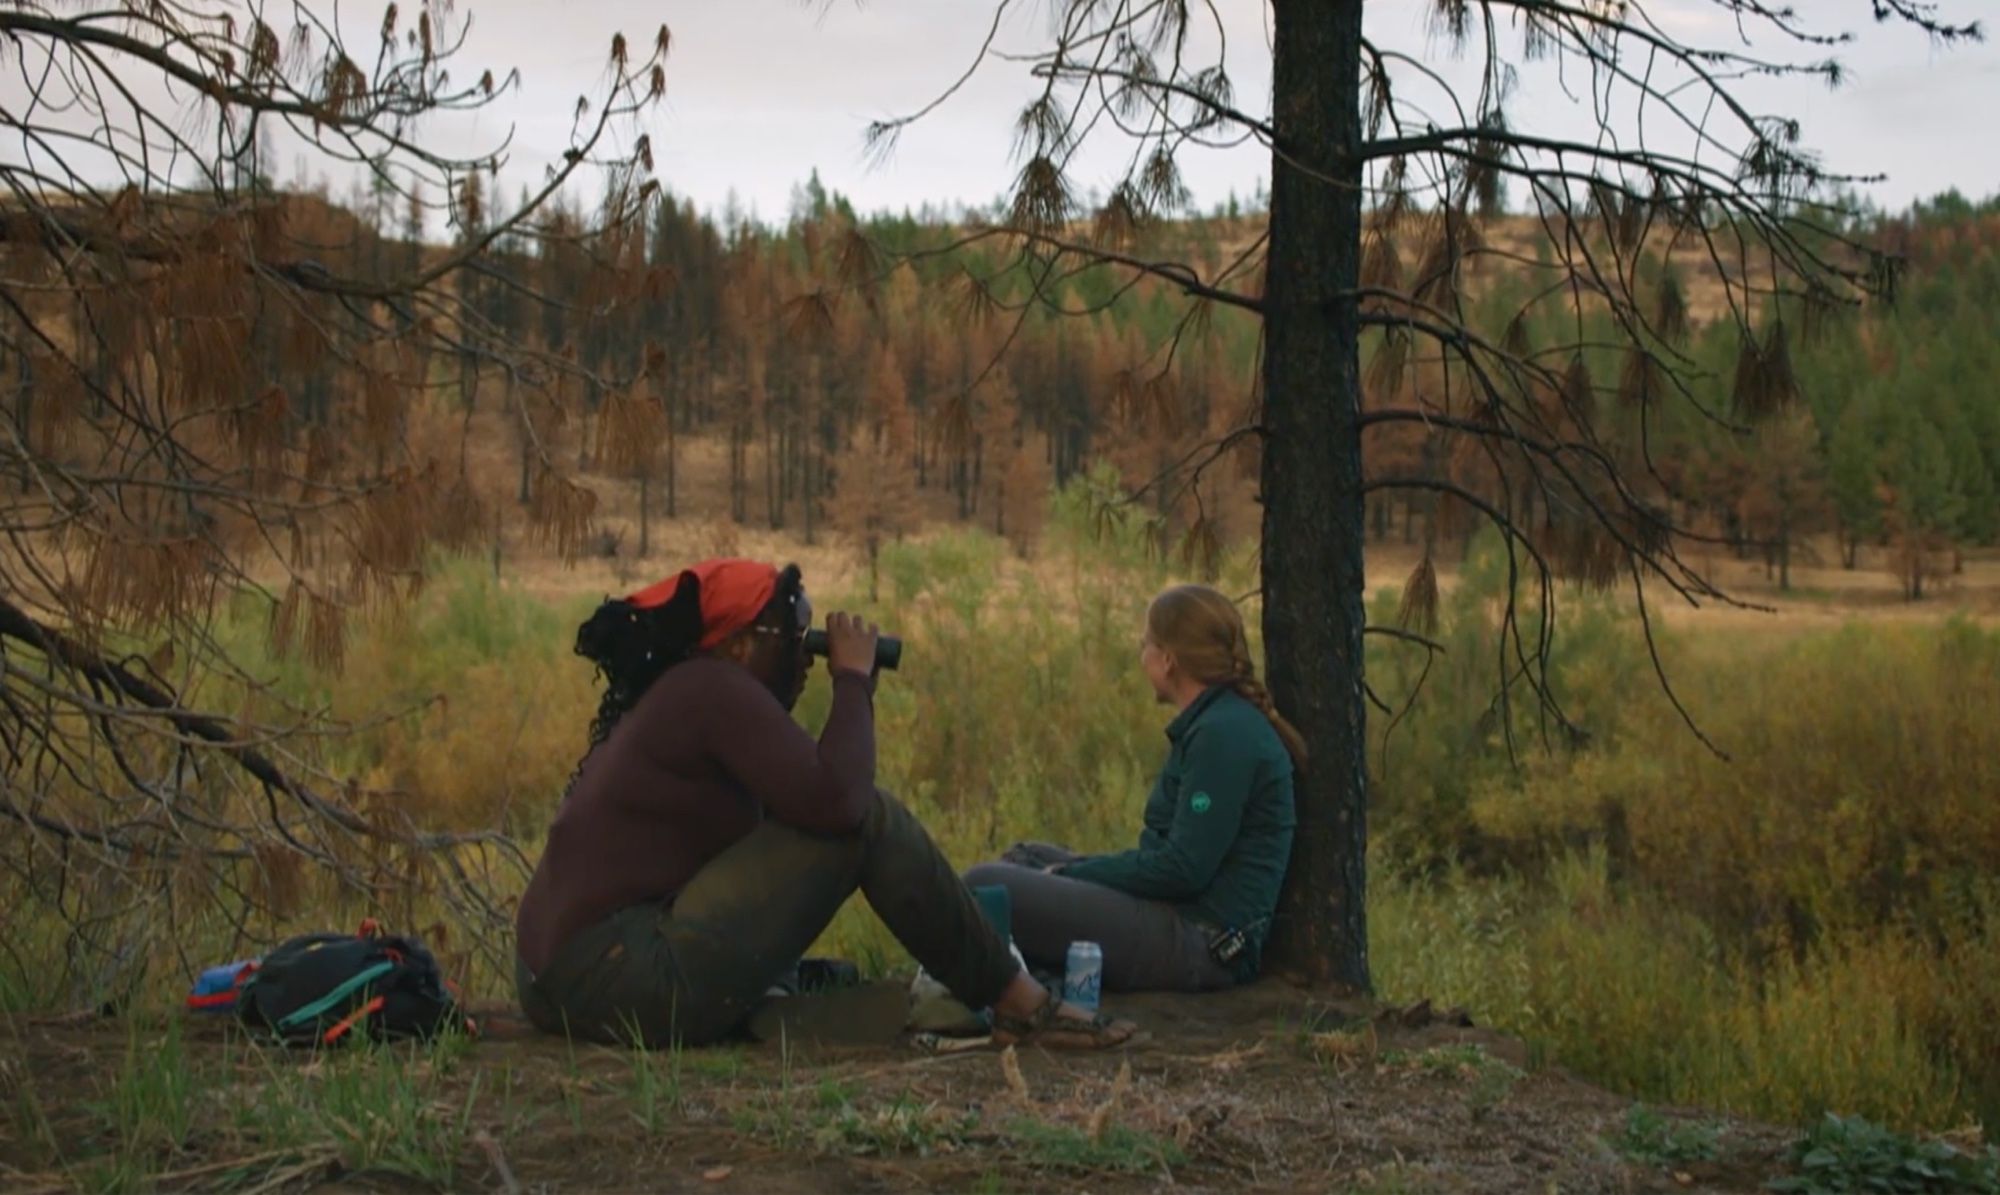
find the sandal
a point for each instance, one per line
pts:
(1048, 1027)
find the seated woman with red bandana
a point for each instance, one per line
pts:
(706, 840)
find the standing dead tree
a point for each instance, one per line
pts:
(211, 395)
(1385, 167)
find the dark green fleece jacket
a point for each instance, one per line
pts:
(1219, 823)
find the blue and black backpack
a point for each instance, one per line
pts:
(316, 989)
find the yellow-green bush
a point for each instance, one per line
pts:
(1860, 791)
(469, 706)
(1624, 990)
(1805, 925)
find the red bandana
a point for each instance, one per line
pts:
(733, 594)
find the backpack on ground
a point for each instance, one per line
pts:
(318, 989)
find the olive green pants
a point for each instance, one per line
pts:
(691, 972)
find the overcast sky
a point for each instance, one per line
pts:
(761, 91)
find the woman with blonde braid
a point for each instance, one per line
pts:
(1189, 907)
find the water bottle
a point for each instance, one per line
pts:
(215, 988)
(1083, 975)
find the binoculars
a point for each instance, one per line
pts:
(888, 648)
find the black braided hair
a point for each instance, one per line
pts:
(633, 647)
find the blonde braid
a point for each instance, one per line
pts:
(1245, 684)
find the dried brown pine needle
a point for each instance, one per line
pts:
(1010, 1070)
(1419, 610)
(1042, 202)
(1101, 1122)
(1382, 262)
(1670, 317)
(1640, 380)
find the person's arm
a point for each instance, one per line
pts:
(822, 787)
(1182, 865)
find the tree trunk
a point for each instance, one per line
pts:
(1785, 557)
(673, 446)
(772, 498)
(24, 412)
(808, 492)
(1312, 484)
(645, 527)
(784, 467)
(735, 472)
(508, 403)
(740, 500)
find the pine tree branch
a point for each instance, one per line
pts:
(1177, 273)
(17, 625)
(1262, 128)
(1406, 636)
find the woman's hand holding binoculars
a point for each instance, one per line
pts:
(848, 642)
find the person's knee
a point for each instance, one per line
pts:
(888, 819)
(882, 811)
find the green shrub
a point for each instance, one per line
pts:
(1853, 1154)
(1652, 1140)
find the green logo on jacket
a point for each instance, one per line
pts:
(1199, 803)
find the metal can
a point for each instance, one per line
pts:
(1083, 975)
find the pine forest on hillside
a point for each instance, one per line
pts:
(846, 396)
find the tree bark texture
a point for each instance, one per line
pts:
(1314, 516)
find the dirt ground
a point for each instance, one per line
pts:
(1264, 1089)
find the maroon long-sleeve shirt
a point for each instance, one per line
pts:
(705, 755)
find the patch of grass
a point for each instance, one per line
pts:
(1342, 1049)
(1490, 1088)
(377, 1107)
(572, 1088)
(1397, 1178)
(773, 1112)
(1461, 1060)
(28, 1127)
(1489, 1080)
(903, 1125)
(1650, 1139)
(835, 1094)
(714, 1062)
(1841, 1154)
(655, 1087)
(1119, 1151)
(147, 1115)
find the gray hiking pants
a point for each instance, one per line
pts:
(1148, 946)
(694, 970)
